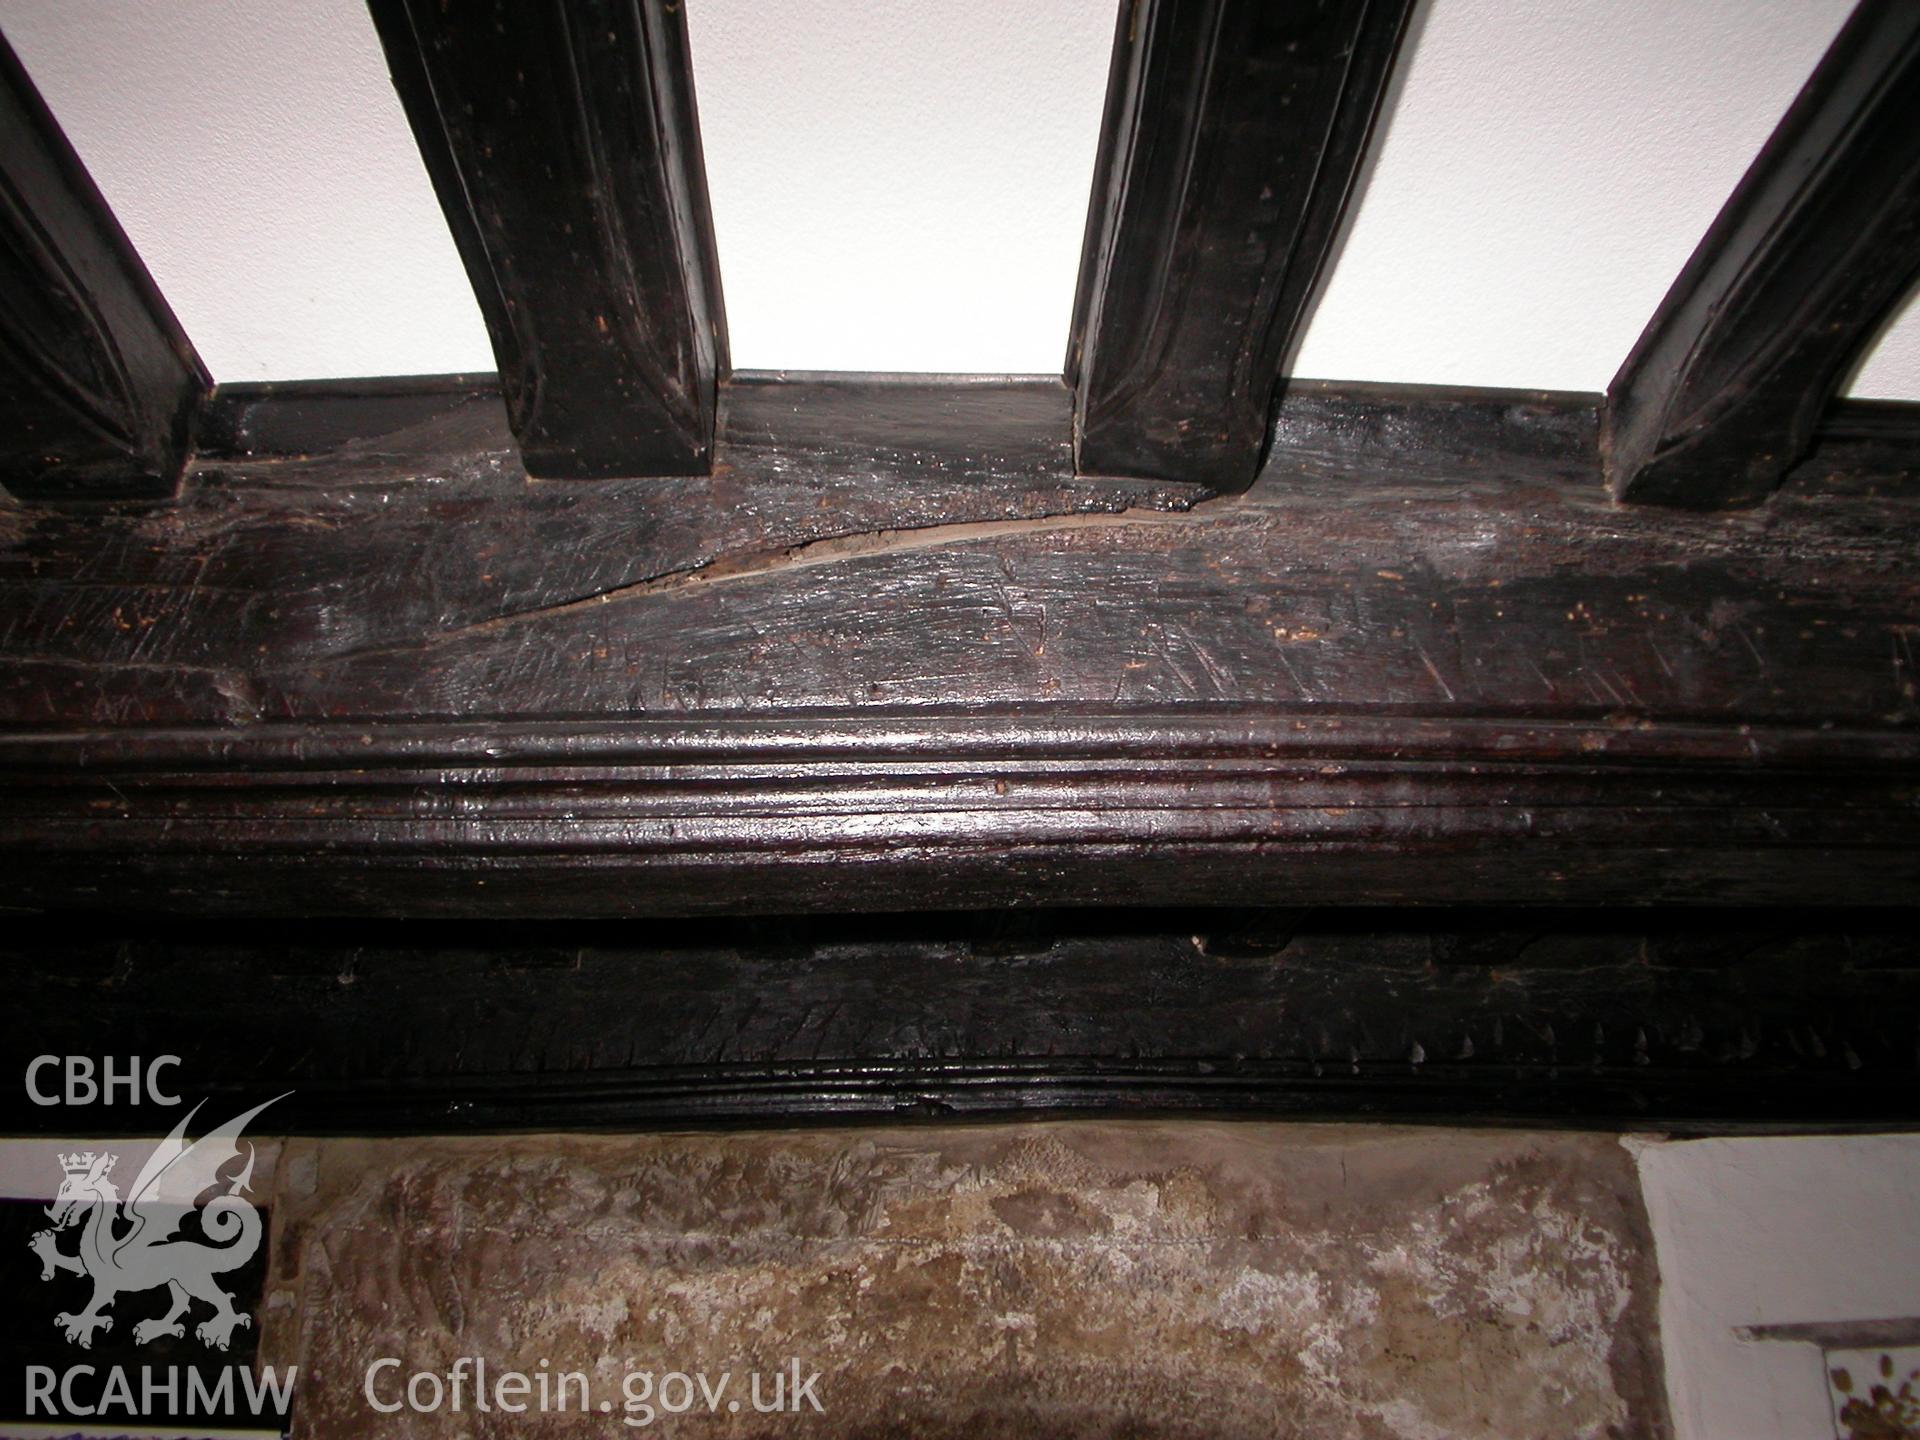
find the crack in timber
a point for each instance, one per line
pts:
(808, 554)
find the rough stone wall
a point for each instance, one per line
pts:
(1137, 1279)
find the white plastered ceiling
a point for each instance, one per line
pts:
(901, 184)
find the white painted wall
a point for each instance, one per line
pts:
(1774, 1231)
(260, 162)
(1548, 169)
(901, 184)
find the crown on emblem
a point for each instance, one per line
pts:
(80, 1162)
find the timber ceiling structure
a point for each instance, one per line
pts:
(1176, 734)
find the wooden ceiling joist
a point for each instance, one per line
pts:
(1821, 239)
(838, 645)
(1234, 132)
(564, 144)
(99, 386)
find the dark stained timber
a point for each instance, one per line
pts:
(1723, 392)
(894, 654)
(1702, 1021)
(371, 418)
(1234, 132)
(563, 141)
(98, 385)
(703, 815)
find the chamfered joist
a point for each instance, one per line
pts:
(1821, 238)
(1234, 130)
(563, 142)
(98, 384)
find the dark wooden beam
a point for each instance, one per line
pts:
(1234, 131)
(1703, 1021)
(1722, 393)
(376, 416)
(895, 654)
(98, 384)
(564, 144)
(871, 811)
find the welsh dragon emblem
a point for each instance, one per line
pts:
(137, 1245)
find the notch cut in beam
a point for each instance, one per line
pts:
(99, 386)
(1233, 135)
(565, 148)
(1711, 1021)
(1722, 393)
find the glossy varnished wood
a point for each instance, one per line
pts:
(1708, 1021)
(864, 811)
(1234, 131)
(564, 144)
(368, 417)
(893, 654)
(98, 384)
(1723, 392)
